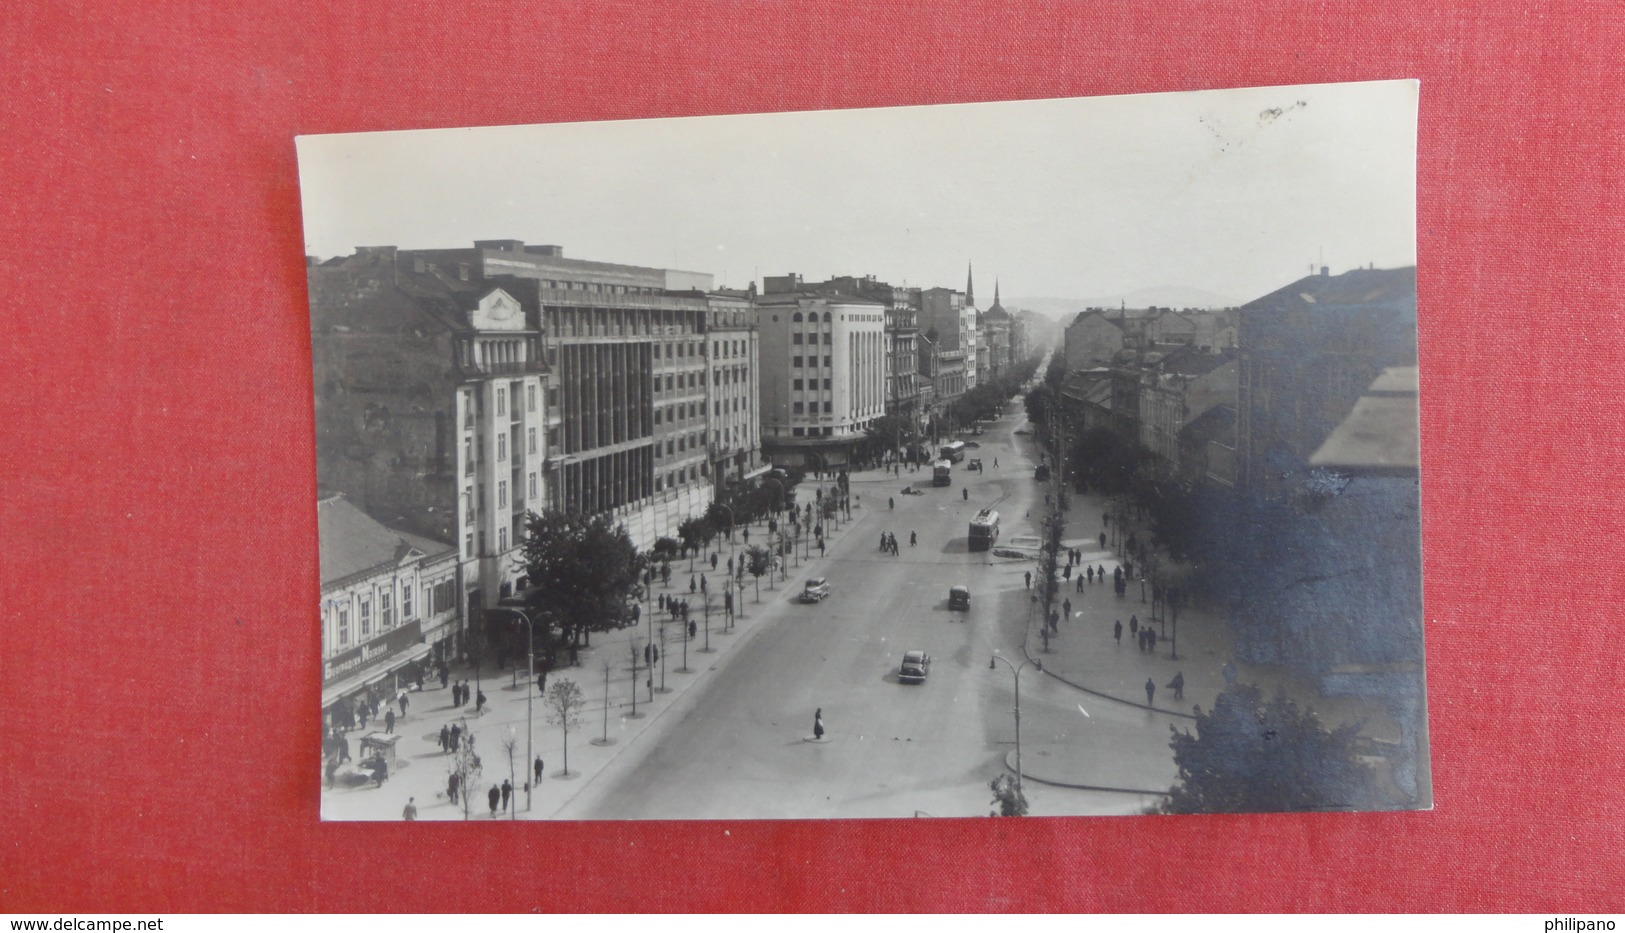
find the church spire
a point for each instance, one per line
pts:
(996, 294)
(970, 287)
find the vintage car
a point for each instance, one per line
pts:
(815, 590)
(959, 597)
(916, 664)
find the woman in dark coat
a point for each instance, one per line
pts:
(495, 797)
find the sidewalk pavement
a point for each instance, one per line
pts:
(1085, 655)
(422, 769)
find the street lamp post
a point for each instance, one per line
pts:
(993, 666)
(530, 693)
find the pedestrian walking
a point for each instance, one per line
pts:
(818, 724)
(1150, 639)
(1178, 685)
(389, 721)
(1090, 571)
(647, 656)
(692, 628)
(913, 539)
(1133, 625)
(362, 715)
(891, 503)
(1080, 582)
(1102, 539)
(541, 682)
(507, 793)
(704, 588)
(713, 561)
(693, 584)
(457, 694)
(1150, 690)
(965, 491)
(411, 812)
(402, 701)
(538, 769)
(1117, 631)
(1066, 605)
(494, 797)
(445, 739)
(1028, 577)
(995, 463)
(479, 703)
(1066, 573)
(452, 782)
(445, 675)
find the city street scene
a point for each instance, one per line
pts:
(1042, 458)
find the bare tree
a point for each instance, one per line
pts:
(564, 701)
(465, 765)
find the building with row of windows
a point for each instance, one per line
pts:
(459, 390)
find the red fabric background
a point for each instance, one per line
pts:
(158, 573)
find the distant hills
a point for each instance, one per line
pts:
(1162, 296)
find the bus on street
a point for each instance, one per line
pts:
(984, 530)
(953, 452)
(942, 473)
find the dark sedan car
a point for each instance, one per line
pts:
(916, 664)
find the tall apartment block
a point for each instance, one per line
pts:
(823, 372)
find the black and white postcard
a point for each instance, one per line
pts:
(1039, 458)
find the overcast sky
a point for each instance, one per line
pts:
(1235, 192)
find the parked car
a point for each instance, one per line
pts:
(916, 664)
(815, 590)
(959, 597)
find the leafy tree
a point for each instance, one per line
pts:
(564, 701)
(757, 562)
(1007, 794)
(1038, 402)
(1249, 756)
(693, 532)
(720, 518)
(664, 548)
(584, 572)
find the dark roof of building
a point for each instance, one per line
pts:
(352, 542)
(1382, 433)
(1354, 287)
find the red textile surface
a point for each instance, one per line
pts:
(159, 570)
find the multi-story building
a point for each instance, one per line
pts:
(628, 422)
(389, 604)
(1307, 352)
(902, 331)
(459, 390)
(429, 412)
(1095, 336)
(734, 431)
(823, 372)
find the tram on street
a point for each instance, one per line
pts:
(984, 530)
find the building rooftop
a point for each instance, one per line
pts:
(353, 542)
(1382, 433)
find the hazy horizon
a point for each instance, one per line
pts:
(1234, 192)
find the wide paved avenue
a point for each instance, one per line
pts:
(735, 745)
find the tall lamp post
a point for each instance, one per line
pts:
(992, 665)
(530, 693)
